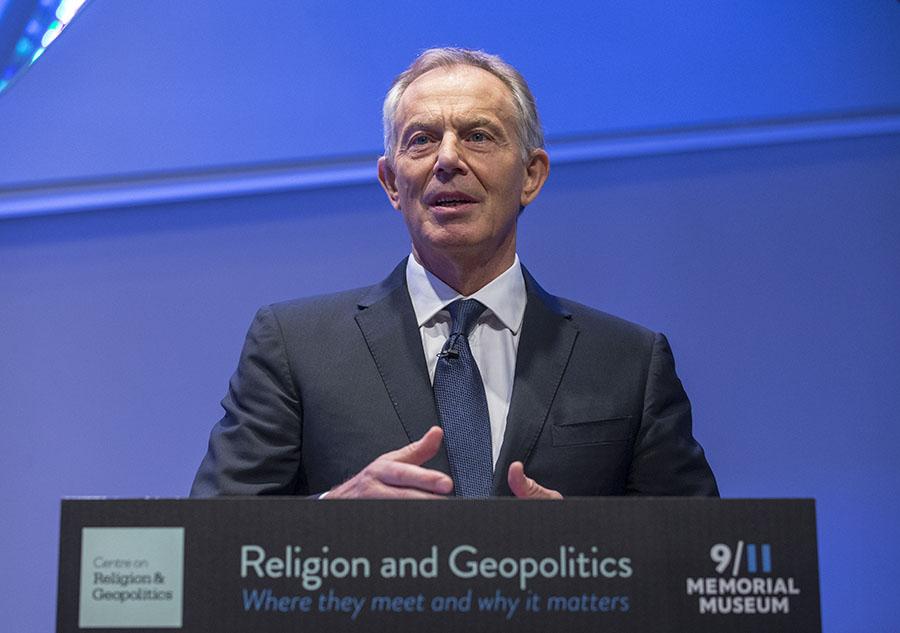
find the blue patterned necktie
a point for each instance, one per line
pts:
(462, 405)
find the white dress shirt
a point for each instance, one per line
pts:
(494, 340)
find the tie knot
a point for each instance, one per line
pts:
(465, 313)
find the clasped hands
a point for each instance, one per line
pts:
(399, 475)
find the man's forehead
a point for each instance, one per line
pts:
(458, 90)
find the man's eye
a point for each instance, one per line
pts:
(420, 139)
(478, 137)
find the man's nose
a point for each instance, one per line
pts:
(449, 161)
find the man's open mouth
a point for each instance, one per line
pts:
(450, 199)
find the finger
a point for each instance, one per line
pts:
(412, 493)
(524, 487)
(404, 475)
(421, 450)
(370, 488)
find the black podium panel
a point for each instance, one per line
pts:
(287, 564)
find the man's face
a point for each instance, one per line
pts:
(457, 174)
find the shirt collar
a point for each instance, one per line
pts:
(505, 296)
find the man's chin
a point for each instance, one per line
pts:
(449, 241)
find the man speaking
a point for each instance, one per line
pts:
(458, 374)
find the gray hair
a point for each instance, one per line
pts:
(528, 125)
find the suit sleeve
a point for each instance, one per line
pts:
(255, 448)
(667, 459)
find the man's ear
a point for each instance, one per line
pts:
(536, 171)
(388, 180)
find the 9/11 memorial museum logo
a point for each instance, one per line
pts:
(745, 582)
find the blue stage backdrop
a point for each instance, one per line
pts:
(726, 174)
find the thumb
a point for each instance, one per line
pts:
(524, 487)
(421, 450)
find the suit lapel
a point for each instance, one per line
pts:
(548, 335)
(388, 323)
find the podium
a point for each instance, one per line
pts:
(287, 564)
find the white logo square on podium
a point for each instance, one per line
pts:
(131, 577)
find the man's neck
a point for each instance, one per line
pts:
(466, 275)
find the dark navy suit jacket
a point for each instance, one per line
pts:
(327, 384)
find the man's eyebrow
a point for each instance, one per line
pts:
(495, 126)
(418, 124)
(413, 126)
(483, 122)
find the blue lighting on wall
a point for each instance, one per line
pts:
(29, 27)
